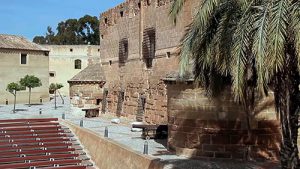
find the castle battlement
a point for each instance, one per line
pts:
(129, 8)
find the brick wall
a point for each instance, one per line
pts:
(216, 127)
(134, 78)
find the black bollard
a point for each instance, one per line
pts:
(6, 102)
(40, 111)
(63, 116)
(106, 132)
(81, 123)
(145, 147)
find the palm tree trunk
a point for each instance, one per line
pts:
(55, 99)
(29, 97)
(63, 101)
(287, 106)
(15, 99)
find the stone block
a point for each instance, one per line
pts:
(222, 155)
(205, 154)
(220, 139)
(213, 147)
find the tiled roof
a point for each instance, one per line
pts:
(18, 42)
(93, 73)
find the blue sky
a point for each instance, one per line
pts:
(31, 17)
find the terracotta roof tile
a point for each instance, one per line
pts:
(18, 42)
(92, 73)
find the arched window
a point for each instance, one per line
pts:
(77, 64)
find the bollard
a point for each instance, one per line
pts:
(145, 147)
(6, 102)
(106, 132)
(41, 100)
(81, 123)
(40, 111)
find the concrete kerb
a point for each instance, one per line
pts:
(109, 154)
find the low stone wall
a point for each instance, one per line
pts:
(216, 127)
(108, 154)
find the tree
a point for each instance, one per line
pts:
(39, 40)
(256, 44)
(53, 88)
(30, 81)
(13, 88)
(84, 30)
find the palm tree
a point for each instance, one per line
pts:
(257, 44)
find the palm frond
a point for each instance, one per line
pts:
(278, 33)
(260, 47)
(240, 53)
(175, 9)
(295, 26)
(223, 36)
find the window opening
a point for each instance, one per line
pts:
(149, 46)
(77, 64)
(104, 101)
(123, 52)
(23, 58)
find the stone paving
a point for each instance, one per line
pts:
(122, 134)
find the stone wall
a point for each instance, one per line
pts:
(129, 21)
(62, 62)
(85, 94)
(11, 70)
(216, 127)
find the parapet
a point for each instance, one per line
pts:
(129, 8)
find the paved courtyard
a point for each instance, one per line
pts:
(122, 134)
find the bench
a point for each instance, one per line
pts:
(153, 131)
(91, 112)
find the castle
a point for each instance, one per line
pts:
(138, 45)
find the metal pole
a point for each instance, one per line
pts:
(106, 132)
(63, 116)
(145, 147)
(81, 123)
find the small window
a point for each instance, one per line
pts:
(46, 53)
(139, 5)
(98, 101)
(71, 50)
(105, 21)
(110, 62)
(102, 36)
(77, 64)
(121, 13)
(23, 58)
(168, 54)
(98, 50)
(148, 2)
(52, 74)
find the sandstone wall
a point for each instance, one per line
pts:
(216, 128)
(130, 20)
(87, 94)
(108, 154)
(11, 70)
(62, 62)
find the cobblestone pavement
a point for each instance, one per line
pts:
(122, 134)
